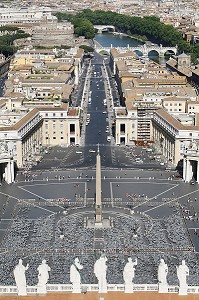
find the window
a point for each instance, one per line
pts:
(54, 137)
(72, 127)
(46, 126)
(61, 126)
(122, 128)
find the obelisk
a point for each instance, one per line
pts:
(98, 203)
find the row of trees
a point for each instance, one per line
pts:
(6, 41)
(151, 27)
(82, 26)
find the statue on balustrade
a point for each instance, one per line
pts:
(100, 269)
(162, 272)
(20, 278)
(162, 277)
(182, 273)
(128, 275)
(75, 277)
(43, 276)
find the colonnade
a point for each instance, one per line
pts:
(166, 145)
(30, 144)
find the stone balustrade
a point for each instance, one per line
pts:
(67, 288)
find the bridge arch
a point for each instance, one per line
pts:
(104, 28)
(138, 52)
(153, 51)
(104, 52)
(169, 52)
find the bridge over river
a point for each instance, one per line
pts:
(143, 49)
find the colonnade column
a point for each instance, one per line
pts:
(9, 172)
(184, 168)
(198, 171)
(188, 171)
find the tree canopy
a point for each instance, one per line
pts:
(87, 49)
(82, 26)
(6, 41)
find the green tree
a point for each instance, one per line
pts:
(86, 48)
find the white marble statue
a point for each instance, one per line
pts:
(162, 277)
(128, 275)
(20, 278)
(162, 272)
(75, 277)
(43, 276)
(100, 269)
(182, 273)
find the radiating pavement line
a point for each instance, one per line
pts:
(38, 197)
(177, 198)
(149, 199)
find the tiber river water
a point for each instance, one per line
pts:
(106, 39)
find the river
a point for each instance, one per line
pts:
(106, 39)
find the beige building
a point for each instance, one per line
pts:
(125, 125)
(172, 134)
(40, 127)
